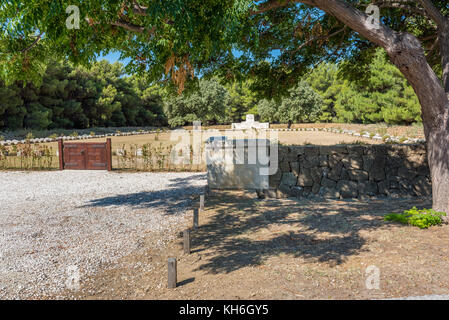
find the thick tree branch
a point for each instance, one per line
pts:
(39, 36)
(355, 19)
(433, 12)
(132, 27)
(125, 25)
(405, 51)
(324, 37)
(402, 5)
(443, 35)
(25, 50)
(403, 48)
(139, 10)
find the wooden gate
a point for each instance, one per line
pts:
(85, 155)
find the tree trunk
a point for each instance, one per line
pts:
(406, 52)
(438, 155)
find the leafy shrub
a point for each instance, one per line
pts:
(382, 131)
(210, 103)
(423, 219)
(301, 105)
(267, 110)
(29, 136)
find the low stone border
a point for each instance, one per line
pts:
(80, 137)
(367, 135)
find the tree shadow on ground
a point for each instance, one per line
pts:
(175, 198)
(246, 232)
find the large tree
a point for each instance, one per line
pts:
(175, 38)
(209, 103)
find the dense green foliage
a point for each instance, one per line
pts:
(301, 105)
(420, 218)
(177, 39)
(104, 96)
(210, 104)
(323, 95)
(257, 53)
(243, 100)
(382, 96)
(80, 98)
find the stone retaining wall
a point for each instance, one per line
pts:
(352, 171)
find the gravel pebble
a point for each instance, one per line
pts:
(53, 224)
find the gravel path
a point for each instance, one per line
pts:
(56, 225)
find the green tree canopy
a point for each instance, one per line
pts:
(302, 104)
(70, 97)
(210, 104)
(382, 96)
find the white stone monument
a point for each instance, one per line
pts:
(250, 124)
(241, 164)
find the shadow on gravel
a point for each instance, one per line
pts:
(187, 181)
(177, 197)
(245, 232)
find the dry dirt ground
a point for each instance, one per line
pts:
(285, 137)
(412, 131)
(246, 248)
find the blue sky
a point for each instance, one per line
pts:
(112, 57)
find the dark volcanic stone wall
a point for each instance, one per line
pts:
(352, 171)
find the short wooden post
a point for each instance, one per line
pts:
(172, 273)
(61, 154)
(109, 153)
(195, 218)
(202, 202)
(186, 234)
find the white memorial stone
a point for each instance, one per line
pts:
(250, 124)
